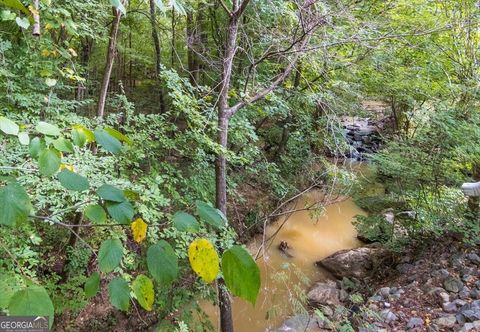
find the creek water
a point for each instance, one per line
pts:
(287, 276)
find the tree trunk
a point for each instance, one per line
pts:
(174, 37)
(36, 19)
(226, 321)
(194, 44)
(112, 45)
(158, 55)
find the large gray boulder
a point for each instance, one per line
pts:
(358, 263)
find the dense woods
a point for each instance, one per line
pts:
(144, 142)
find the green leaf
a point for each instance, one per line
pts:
(15, 4)
(122, 212)
(47, 129)
(118, 5)
(78, 137)
(73, 181)
(107, 141)
(118, 135)
(143, 289)
(210, 215)
(49, 161)
(110, 255)
(111, 193)
(92, 285)
(241, 273)
(95, 213)
(9, 285)
(8, 126)
(15, 204)
(185, 222)
(32, 301)
(63, 144)
(24, 138)
(22, 22)
(119, 293)
(162, 263)
(36, 145)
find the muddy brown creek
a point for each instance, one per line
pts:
(287, 276)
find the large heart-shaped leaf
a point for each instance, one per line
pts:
(15, 204)
(185, 222)
(122, 212)
(47, 129)
(110, 255)
(241, 273)
(8, 126)
(210, 215)
(107, 141)
(73, 181)
(49, 161)
(110, 193)
(119, 293)
(92, 285)
(95, 213)
(162, 263)
(32, 301)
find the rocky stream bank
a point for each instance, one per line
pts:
(432, 288)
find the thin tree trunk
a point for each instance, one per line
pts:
(172, 54)
(112, 45)
(36, 19)
(158, 55)
(226, 321)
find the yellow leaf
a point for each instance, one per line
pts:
(139, 230)
(204, 259)
(67, 166)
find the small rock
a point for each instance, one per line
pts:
(327, 311)
(343, 295)
(464, 293)
(443, 273)
(452, 284)
(475, 326)
(458, 260)
(404, 268)
(466, 271)
(471, 311)
(443, 297)
(389, 316)
(386, 305)
(475, 294)
(446, 321)
(384, 292)
(459, 303)
(474, 258)
(414, 322)
(324, 293)
(449, 307)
